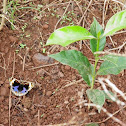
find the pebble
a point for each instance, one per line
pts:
(60, 74)
(6, 49)
(3, 91)
(48, 93)
(13, 39)
(57, 116)
(45, 1)
(1, 82)
(7, 81)
(76, 9)
(67, 67)
(5, 121)
(27, 102)
(45, 26)
(41, 72)
(73, 77)
(6, 107)
(25, 109)
(102, 124)
(39, 59)
(1, 98)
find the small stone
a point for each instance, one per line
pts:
(39, 59)
(3, 91)
(6, 107)
(25, 109)
(45, 26)
(102, 124)
(45, 1)
(57, 116)
(7, 81)
(2, 49)
(6, 49)
(41, 72)
(27, 102)
(67, 68)
(76, 9)
(62, 49)
(5, 121)
(48, 93)
(60, 74)
(1, 82)
(74, 48)
(73, 77)
(13, 39)
(1, 98)
(33, 112)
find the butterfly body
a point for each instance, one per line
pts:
(20, 87)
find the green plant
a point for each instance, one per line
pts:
(24, 27)
(11, 10)
(22, 46)
(112, 64)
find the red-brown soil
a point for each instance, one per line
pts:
(49, 102)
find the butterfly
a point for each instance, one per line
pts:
(20, 87)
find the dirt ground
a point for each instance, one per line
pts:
(50, 102)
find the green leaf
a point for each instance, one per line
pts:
(116, 23)
(96, 96)
(68, 34)
(76, 60)
(112, 65)
(107, 97)
(92, 124)
(97, 31)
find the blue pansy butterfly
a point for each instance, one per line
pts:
(20, 87)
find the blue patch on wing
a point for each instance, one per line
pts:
(24, 90)
(15, 88)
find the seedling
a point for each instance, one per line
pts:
(28, 36)
(112, 64)
(42, 115)
(24, 27)
(17, 51)
(22, 46)
(43, 50)
(57, 106)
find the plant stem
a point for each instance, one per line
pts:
(93, 78)
(96, 61)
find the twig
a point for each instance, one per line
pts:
(9, 21)
(13, 66)
(112, 41)
(3, 18)
(112, 114)
(38, 117)
(9, 107)
(84, 13)
(116, 54)
(74, 82)
(120, 47)
(103, 13)
(104, 110)
(62, 15)
(107, 92)
(113, 86)
(120, 3)
(4, 64)
(43, 66)
(27, 50)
